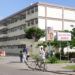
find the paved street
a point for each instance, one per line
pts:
(12, 66)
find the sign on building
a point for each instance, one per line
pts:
(63, 36)
(50, 34)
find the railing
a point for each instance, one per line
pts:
(3, 35)
(3, 27)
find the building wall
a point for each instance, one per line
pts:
(69, 14)
(59, 18)
(41, 11)
(69, 18)
(67, 25)
(15, 29)
(54, 12)
(54, 24)
(37, 15)
(41, 23)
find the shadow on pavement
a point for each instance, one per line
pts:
(14, 62)
(55, 72)
(25, 69)
(61, 72)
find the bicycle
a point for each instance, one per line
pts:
(36, 64)
(41, 64)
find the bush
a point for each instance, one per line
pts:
(63, 57)
(71, 54)
(52, 59)
(57, 55)
(35, 56)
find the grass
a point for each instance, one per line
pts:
(58, 61)
(72, 67)
(54, 60)
(62, 61)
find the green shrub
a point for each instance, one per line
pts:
(57, 55)
(63, 57)
(71, 54)
(52, 59)
(35, 56)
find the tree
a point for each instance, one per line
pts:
(58, 44)
(44, 44)
(73, 38)
(34, 33)
(73, 33)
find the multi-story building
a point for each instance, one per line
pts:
(40, 15)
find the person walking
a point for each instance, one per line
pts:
(21, 56)
(42, 54)
(25, 51)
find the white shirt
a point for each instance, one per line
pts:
(42, 53)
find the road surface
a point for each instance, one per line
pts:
(12, 66)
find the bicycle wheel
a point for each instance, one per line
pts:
(31, 64)
(43, 66)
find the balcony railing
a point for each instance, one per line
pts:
(3, 35)
(3, 27)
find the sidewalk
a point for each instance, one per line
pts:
(13, 61)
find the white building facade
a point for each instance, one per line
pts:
(40, 15)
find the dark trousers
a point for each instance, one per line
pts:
(21, 59)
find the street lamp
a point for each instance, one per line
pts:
(72, 26)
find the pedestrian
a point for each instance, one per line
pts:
(25, 51)
(42, 54)
(28, 55)
(21, 56)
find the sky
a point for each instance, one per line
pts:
(9, 7)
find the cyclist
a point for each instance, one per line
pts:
(42, 54)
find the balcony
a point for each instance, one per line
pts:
(16, 33)
(3, 27)
(3, 35)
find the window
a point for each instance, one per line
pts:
(20, 27)
(36, 9)
(21, 36)
(24, 25)
(12, 21)
(15, 28)
(22, 17)
(15, 20)
(28, 12)
(28, 23)
(36, 21)
(32, 22)
(32, 10)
